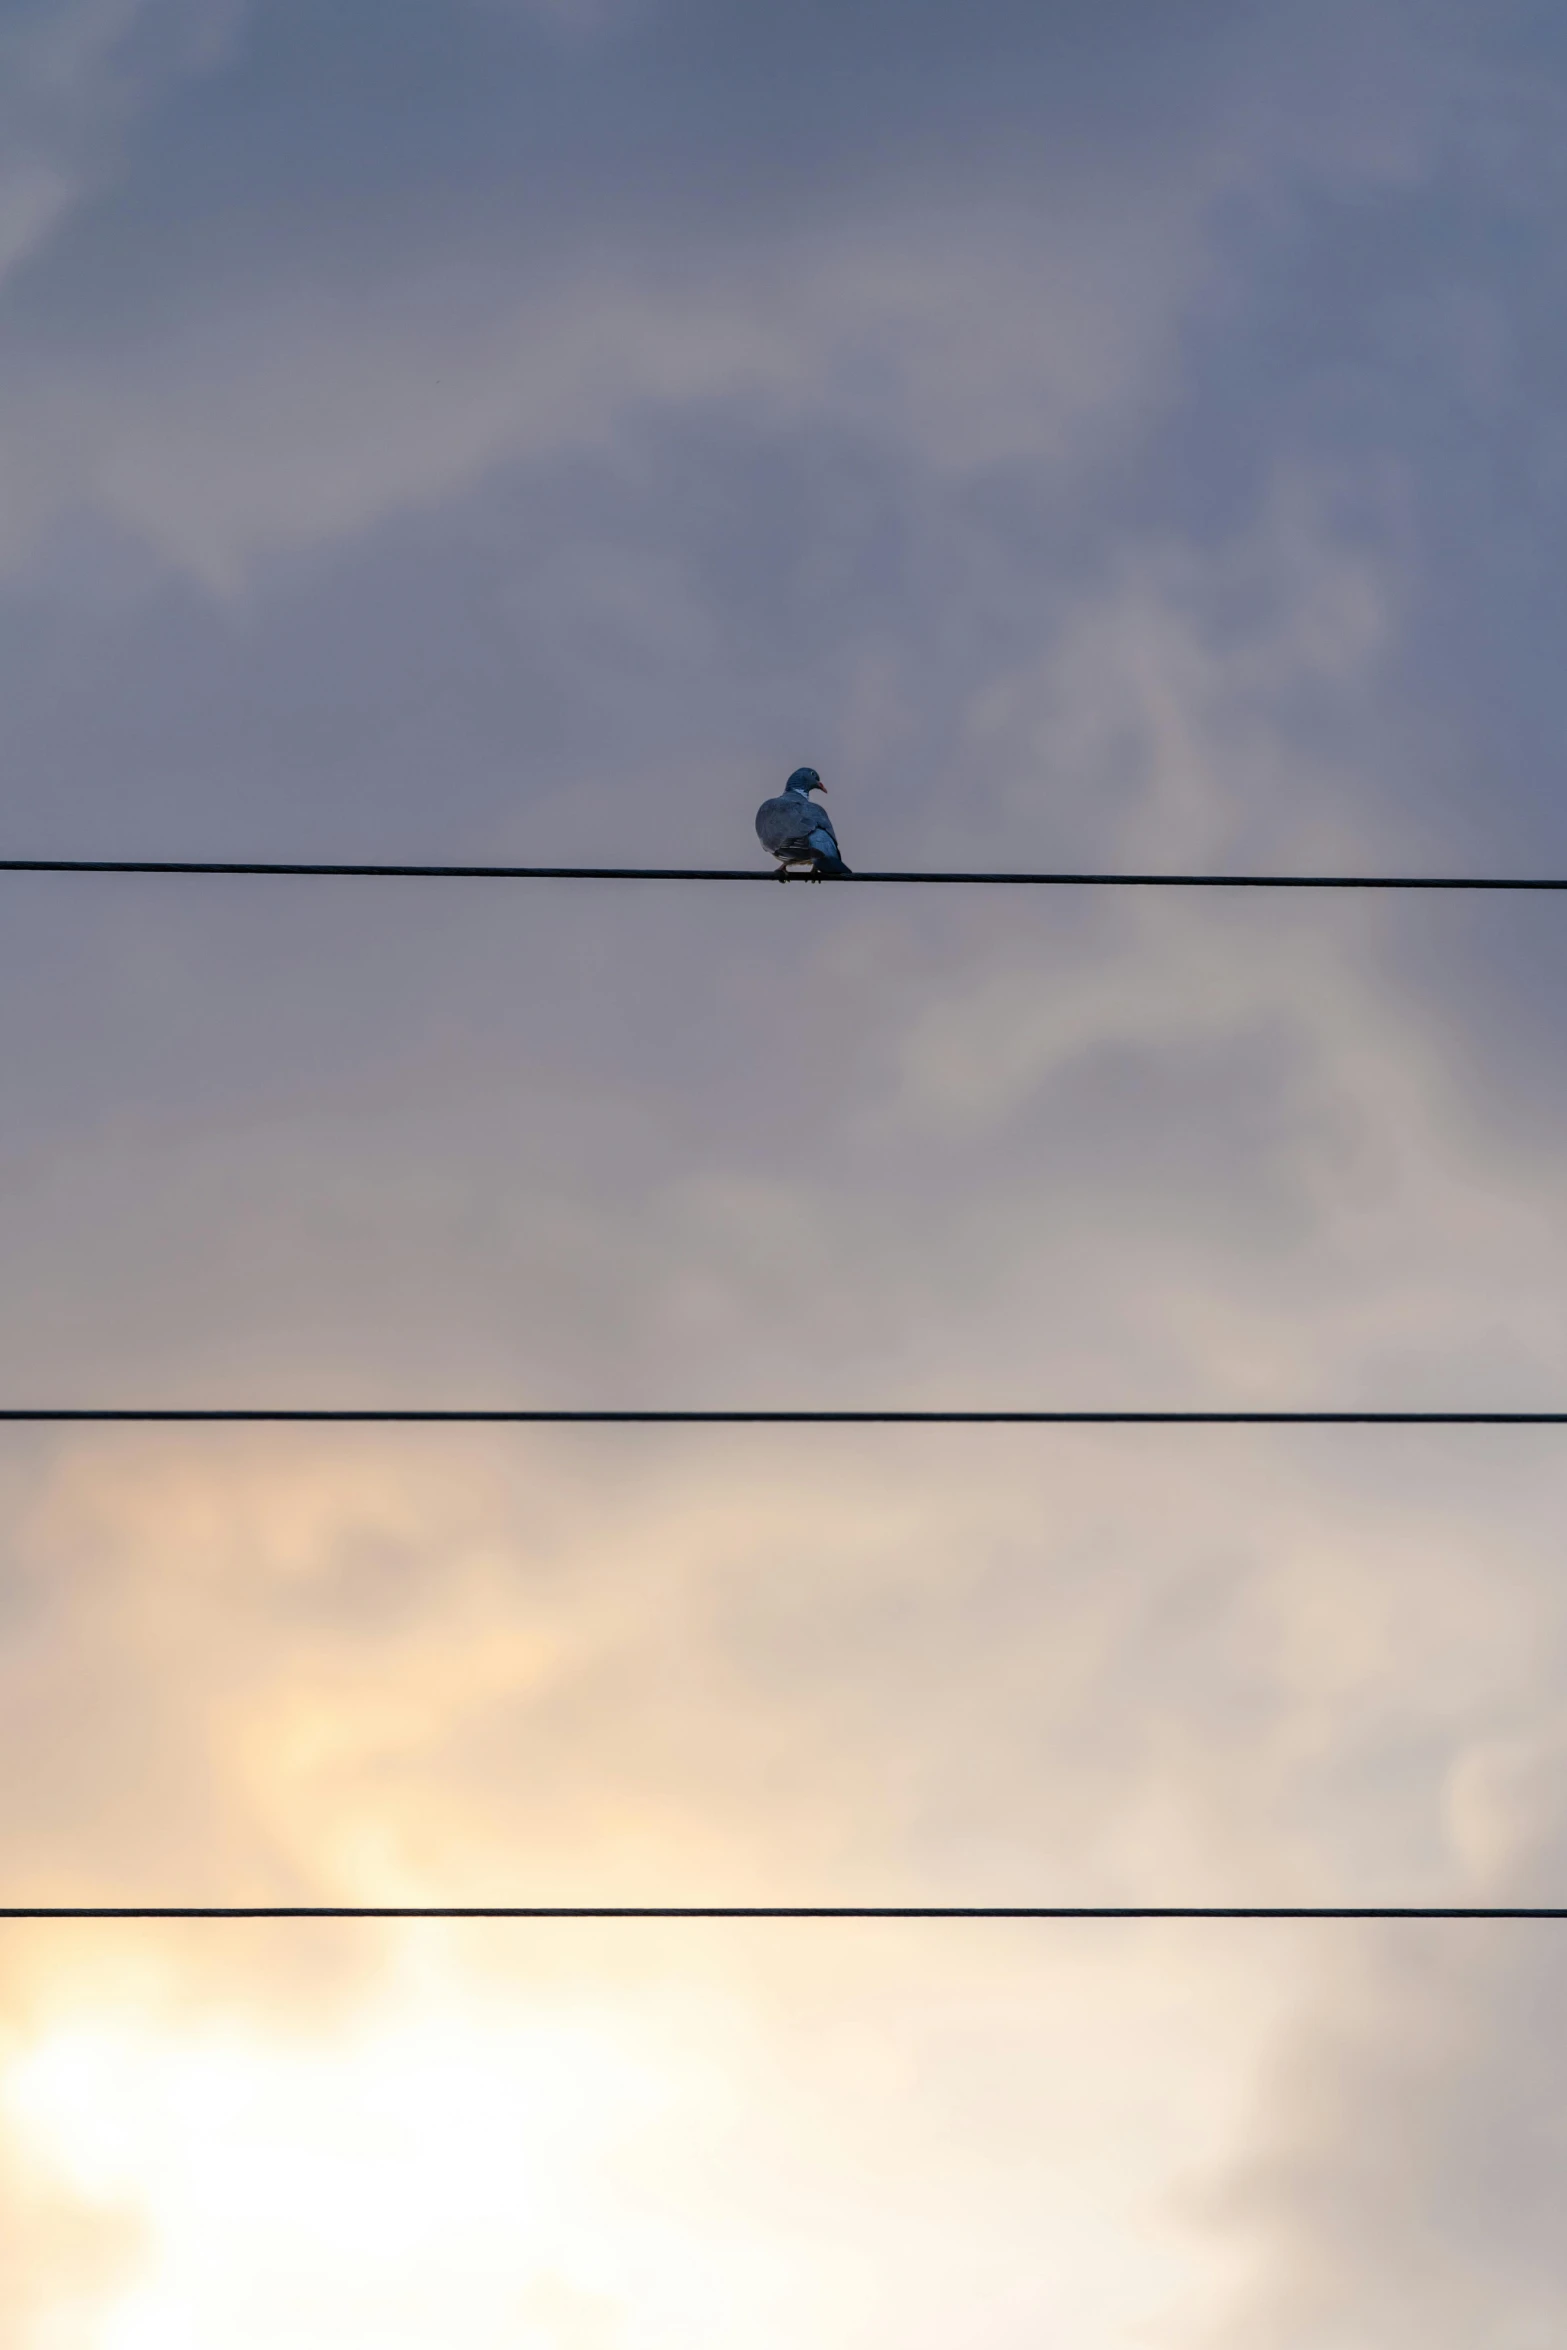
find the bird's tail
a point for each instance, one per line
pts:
(834, 869)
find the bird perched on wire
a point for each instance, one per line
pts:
(798, 833)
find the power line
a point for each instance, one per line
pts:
(365, 872)
(395, 1415)
(753, 1417)
(1061, 1912)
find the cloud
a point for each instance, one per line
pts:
(1004, 312)
(74, 75)
(1085, 517)
(293, 421)
(1397, 2191)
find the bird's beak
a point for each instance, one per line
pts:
(822, 788)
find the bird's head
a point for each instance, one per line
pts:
(805, 780)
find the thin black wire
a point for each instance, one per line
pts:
(1361, 881)
(761, 1912)
(1053, 1912)
(419, 1417)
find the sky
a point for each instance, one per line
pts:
(524, 430)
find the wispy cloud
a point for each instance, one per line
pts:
(1085, 449)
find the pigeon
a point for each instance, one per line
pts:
(799, 833)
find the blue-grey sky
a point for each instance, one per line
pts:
(527, 429)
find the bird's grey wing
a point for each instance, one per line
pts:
(784, 825)
(821, 822)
